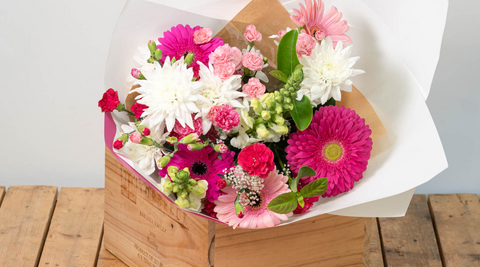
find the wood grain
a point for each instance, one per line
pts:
(410, 240)
(2, 194)
(76, 228)
(372, 248)
(144, 229)
(106, 259)
(24, 218)
(457, 221)
(325, 240)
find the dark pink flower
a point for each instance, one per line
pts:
(118, 144)
(146, 132)
(221, 183)
(180, 132)
(203, 165)
(137, 109)
(109, 101)
(179, 41)
(224, 116)
(256, 159)
(208, 208)
(336, 145)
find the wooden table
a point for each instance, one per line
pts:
(41, 227)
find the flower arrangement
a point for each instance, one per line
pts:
(241, 144)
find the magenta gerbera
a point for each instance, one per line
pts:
(179, 41)
(321, 25)
(203, 165)
(256, 215)
(336, 145)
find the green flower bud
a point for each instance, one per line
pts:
(123, 137)
(172, 171)
(281, 129)
(173, 60)
(189, 59)
(279, 109)
(183, 194)
(175, 188)
(266, 115)
(301, 201)
(246, 71)
(189, 188)
(196, 146)
(189, 139)
(183, 176)
(151, 60)
(198, 190)
(182, 202)
(288, 100)
(120, 107)
(158, 54)
(163, 161)
(152, 46)
(262, 131)
(146, 141)
(238, 208)
(171, 139)
(257, 106)
(278, 119)
(265, 60)
(279, 98)
(192, 182)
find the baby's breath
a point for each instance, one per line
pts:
(240, 180)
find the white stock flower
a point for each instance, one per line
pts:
(214, 92)
(144, 156)
(327, 71)
(246, 122)
(170, 95)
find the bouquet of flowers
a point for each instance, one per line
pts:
(228, 129)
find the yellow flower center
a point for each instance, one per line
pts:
(333, 151)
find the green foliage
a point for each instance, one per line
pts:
(315, 188)
(284, 203)
(287, 59)
(279, 75)
(302, 113)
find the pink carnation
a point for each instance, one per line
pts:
(225, 54)
(224, 70)
(224, 116)
(251, 34)
(256, 159)
(252, 61)
(204, 35)
(254, 88)
(180, 132)
(305, 45)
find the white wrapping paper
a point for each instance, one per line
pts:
(399, 45)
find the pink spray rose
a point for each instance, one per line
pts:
(204, 35)
(251, 34)
(136, 137)
(254, 88)
(224, 70)
(256, 159)
(305, 45)
(252, 61)
(118, 144)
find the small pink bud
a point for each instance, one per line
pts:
(118, 144)
(135, 73)
(195, 136)
(135, 137)
(240, 215)
(223, 148)
(146, 132)
(221, 183)
(189, 147)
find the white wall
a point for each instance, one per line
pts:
(53, 54)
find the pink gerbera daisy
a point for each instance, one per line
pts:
(321, 25)
(178, 42)
(336, 145)
(203, 165)
(256, 216)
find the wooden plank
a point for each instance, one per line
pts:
(142, 228)
(325, 240)
(457, 221)
(24, 218)
(372, 248)
(410, 240)
(76, 228)
(2, 194)
(106, 259)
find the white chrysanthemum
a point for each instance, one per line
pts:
(144, 156)
(215, 92)
(327, 71)
(170, 95)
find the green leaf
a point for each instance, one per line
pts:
(315, 188)
(287, 58)
(304, 171)
(284, 203)
(302, 113)
(330, 102)
(279, 75)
